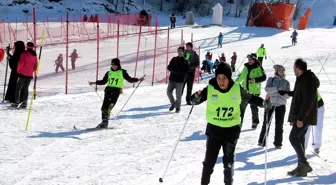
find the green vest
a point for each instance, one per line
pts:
(223, 109)
(187, 56)
(253, 88)
(318, 96)
(261, 52)
(115, 79)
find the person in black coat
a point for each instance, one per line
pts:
(178, 68)
(19, 48)
(172, 21)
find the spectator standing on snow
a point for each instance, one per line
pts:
(59, 63)
(194, 62)
(273, 85)
(178, 68)
(233, 61)
(223, 58)
(294, 37)
(261, 53)
(73, 57)
(85, 18)
(251, 78)
(220, 40)
(172, 21)
(19, 48)
(26, 68)
(114, 78)
(223, 97)
(316, 130)
(303, 113)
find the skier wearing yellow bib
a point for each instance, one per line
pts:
(114, 78)
(223, 114)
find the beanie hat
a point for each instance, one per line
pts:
(30, 45)
(181, 48)
(252, 56)
(224, 68)
(190, 44)
(278, 68)
(116, 62)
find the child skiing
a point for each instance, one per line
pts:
(73, 57)
(59, 63)
(233, 61)
(220, 40)
(114, 78)
(223, 98)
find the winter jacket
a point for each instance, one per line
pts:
(261, 52)
(273, 85)
(173, 19)
(230, 132)
(220, 39)
(178, 68)
(234, 59)
(256, 72)
(59, 60)
(294, 35)
(115, 89)
(73, 56)
(193, 59)
(304, 101)
(27, 64)
(222, 59)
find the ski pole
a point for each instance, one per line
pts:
(129, 97)
(313, 142)
(177, 142)
(5, 84)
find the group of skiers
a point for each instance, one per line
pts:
(209, 66)
(23, 64)
(59, 61)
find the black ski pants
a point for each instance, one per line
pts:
(189, 81)
(22, 90)
(110, 99)
(254, 110)
(297, 139)
(279, 121)
(261, 60)
(172, 25)
(213, 146)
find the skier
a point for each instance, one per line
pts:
(220, 40)
(172, 21)
(223, 98)
(194, 62)
(261, 52)
(233, 61)
(273, 85)
(59, 63)
(303, 113)
(27, 66)
(73, 57)
(178, 68)
(19, 48)
(114, 78)
(294, 37)
(252, 76)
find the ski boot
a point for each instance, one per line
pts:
(172, 107)
(254, 126)
(103, 125)
(317, 151)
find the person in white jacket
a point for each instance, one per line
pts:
(273, 85)
(316, 130)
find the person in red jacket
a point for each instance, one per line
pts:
(233, 62)
(26, 68)
(73, 57)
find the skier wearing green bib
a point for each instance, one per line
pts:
(251, 77)
(223, 97)
(114, 78)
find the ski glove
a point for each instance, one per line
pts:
(267, 104)
(196, 98)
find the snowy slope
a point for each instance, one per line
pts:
(137, 150)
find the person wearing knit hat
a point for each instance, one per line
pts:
(251, 78)
(114, 78)
(279, 102)
(194, 62)
(223, 114)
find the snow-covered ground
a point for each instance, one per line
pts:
(138, 149)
